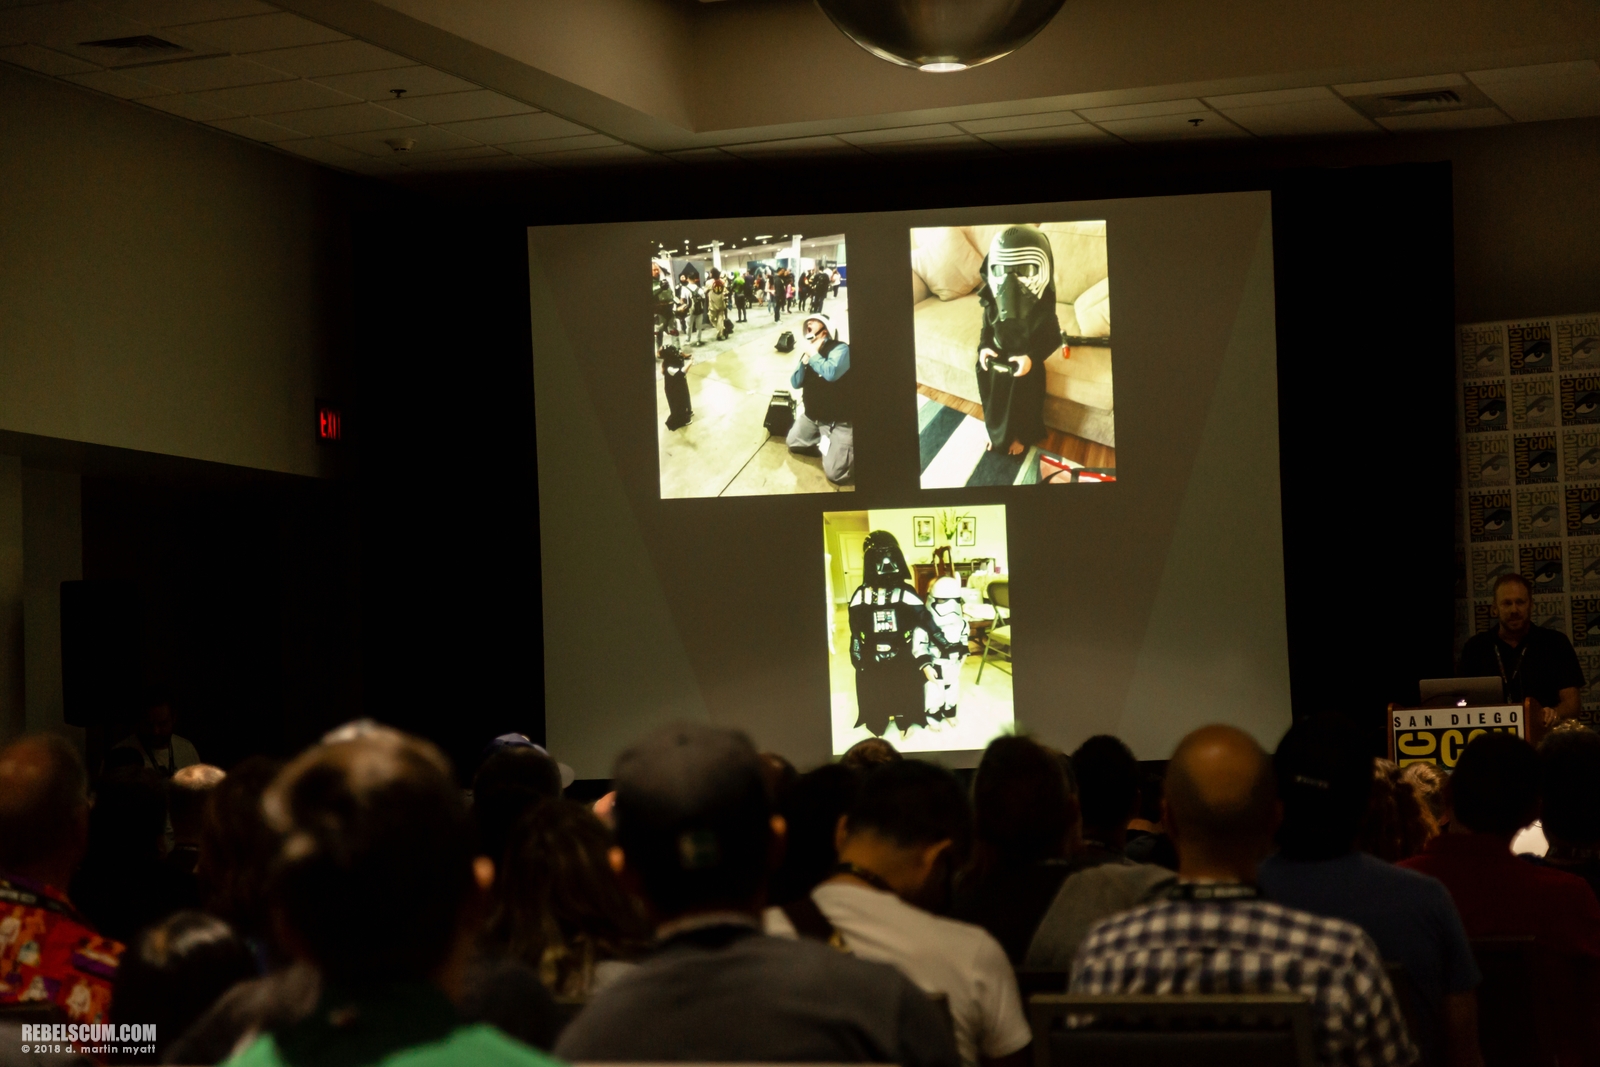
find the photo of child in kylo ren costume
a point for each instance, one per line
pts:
(890, 644)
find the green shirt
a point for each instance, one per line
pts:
(409, 1025)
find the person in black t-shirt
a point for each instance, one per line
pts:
(1538, 666)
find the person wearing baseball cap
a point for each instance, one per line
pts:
(697, 838)
(823, 425)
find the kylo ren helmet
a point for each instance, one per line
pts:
(1020, 274)
(882, 561)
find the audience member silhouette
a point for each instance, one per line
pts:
(173, 972)
(697, 837)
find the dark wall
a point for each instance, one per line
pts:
(442, 429)
(246, 597)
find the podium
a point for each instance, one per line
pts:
(1437, 735)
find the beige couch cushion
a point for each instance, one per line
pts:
(945, 259)
(1093, 311)
(919, 288)
(1079, 250)
(1078, 390)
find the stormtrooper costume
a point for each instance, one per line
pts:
(889, 641)
(1018, 303)
(948, 635)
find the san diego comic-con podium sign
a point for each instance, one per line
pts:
(1437, 735)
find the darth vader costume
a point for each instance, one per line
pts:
(889, 643)
(675, 384)
(1018, 304)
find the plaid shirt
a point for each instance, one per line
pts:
(1254, 946)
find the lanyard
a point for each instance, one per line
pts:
(1522, 658)
(1213, 891)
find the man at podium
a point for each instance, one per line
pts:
(1537, 665)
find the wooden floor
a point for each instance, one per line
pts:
(1066, 445)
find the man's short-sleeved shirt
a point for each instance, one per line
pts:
(1541, 665)
(942, 956)
(1409, 916)
(727, 994)
(1254, 946)
(1499, 895)
(48, 953)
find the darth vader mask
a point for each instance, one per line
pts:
(1020, 273)
(883, 564)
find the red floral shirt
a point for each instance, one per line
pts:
(48, 952)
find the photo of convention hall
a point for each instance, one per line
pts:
(752, 365)
(1013, 343)
(919, 627)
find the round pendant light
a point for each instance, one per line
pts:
(940, 36)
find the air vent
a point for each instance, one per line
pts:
(1432, 100)
(1456, 94)
(143, 43)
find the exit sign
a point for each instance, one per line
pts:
(330, 423)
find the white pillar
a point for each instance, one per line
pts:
(794, 254)
(716, 254)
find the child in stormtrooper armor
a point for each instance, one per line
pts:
(948, 635)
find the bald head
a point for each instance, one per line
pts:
(44, 807)
(1220, 796)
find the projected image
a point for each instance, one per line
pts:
(754, 390)
(1013, 342)
(919, 627)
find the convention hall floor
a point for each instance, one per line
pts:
(725, 450)
(984, 711)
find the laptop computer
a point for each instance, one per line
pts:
(1487, 691)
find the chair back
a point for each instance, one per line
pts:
(999, 593)
(942, 564)
(1514, 1022)
(1136, 1030)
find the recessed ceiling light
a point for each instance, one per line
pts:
(941, 68)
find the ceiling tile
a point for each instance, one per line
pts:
(791, 146)
(1545, 91)
(319, 150)
(1019, 122)
(1301, 119)
(428, 139)
(256, 33)
(178, 12)
(562, 144)
(418, 158)
(1179, 127)
(901, 133)
(191, 106)
(1400, 85)
(1469, 119)
(497, 161)
(510, 129)
(64, 24)
(587, 156)
(1044, 135)
(275, 97)
(348, 118)
(257, 129)
(1310, 94)
(213, 72)
(457, 107)
(1157, 109)
(45, 61)
(337, 57)
(118, 83)
(416, 81)
(374, 165)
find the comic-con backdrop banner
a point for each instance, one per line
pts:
(1530, 454)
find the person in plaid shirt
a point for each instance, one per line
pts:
(1213, 933)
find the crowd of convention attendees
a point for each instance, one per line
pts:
(356, 905)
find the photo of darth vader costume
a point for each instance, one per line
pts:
(889, 642)
(947, 631)
(1018, 304)
(675, 384)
